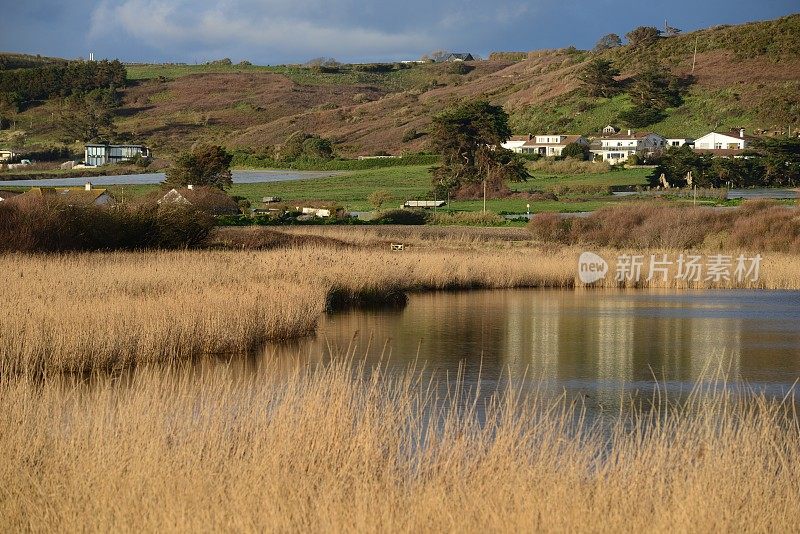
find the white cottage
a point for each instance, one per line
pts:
(515, 142)
(734, 140)
(619, 147)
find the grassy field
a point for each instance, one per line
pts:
(352, 190)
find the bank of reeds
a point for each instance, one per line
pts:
(336, 449)
(82, 312)
(58, 223)
(98, 311)
(762, 226)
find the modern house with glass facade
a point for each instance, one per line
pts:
(101, 154)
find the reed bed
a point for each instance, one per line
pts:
(336, 448)
(81, 312)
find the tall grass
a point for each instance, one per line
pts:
(338, 449)
(82, 312)
(756, 226)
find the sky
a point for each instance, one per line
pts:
(271, 32)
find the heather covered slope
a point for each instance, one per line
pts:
(745, 76)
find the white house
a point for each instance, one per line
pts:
(619, 147)
(679, 141)
(735, 140)
(516, 141)
(609, 130)
(7, 155)
(544, 145)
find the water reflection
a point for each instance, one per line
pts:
(596, 343)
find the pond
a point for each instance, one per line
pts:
(239, 177)
(593, 344)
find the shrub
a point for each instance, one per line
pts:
(756, 226)
(380, 197)
(410, 134)
(50, 225)
(409, 217)
(570, 166)
(468, 218)
(576, 151)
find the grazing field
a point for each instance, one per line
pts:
(338, 448)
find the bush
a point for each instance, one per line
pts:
(570, 166)
(408, 217)
(459, 68)
(50, 225)
(576, 151)
(756, 226)
(410, 134)
(380, 197)
(468, 218)
(641, 116)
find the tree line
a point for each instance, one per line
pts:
(20, 88)
(772, 163)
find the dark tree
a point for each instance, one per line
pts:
(643, 36)
(317, 148)
(781, 158)
(88, 116)
(656, 87)
(607, 42)
(598, 78)
(203, 166)
(302, 145)
(468, 136)
(577, 151)
(640, 116)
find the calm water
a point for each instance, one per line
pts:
(239, 177)
(593, 343)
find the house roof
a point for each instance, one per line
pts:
(464, 56)
(114, 145)
(208, 199)
(567, 140)
(625, 136)
(73, 195)
(527, 137)
(735, 134)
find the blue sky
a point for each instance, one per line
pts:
(293, 31)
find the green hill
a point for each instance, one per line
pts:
(744, 76)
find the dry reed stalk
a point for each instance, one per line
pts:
(337, 449)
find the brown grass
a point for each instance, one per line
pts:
(325, 450)
(756, 226)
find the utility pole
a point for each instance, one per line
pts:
(484, 195)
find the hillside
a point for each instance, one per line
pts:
(745, 76)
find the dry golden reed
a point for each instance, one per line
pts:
(79, 312)
(339, 449)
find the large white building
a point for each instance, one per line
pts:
(543, 145)
(735, 140)
(619, 147)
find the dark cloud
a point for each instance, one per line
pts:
(278, 31)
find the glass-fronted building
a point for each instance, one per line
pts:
(100, 154)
